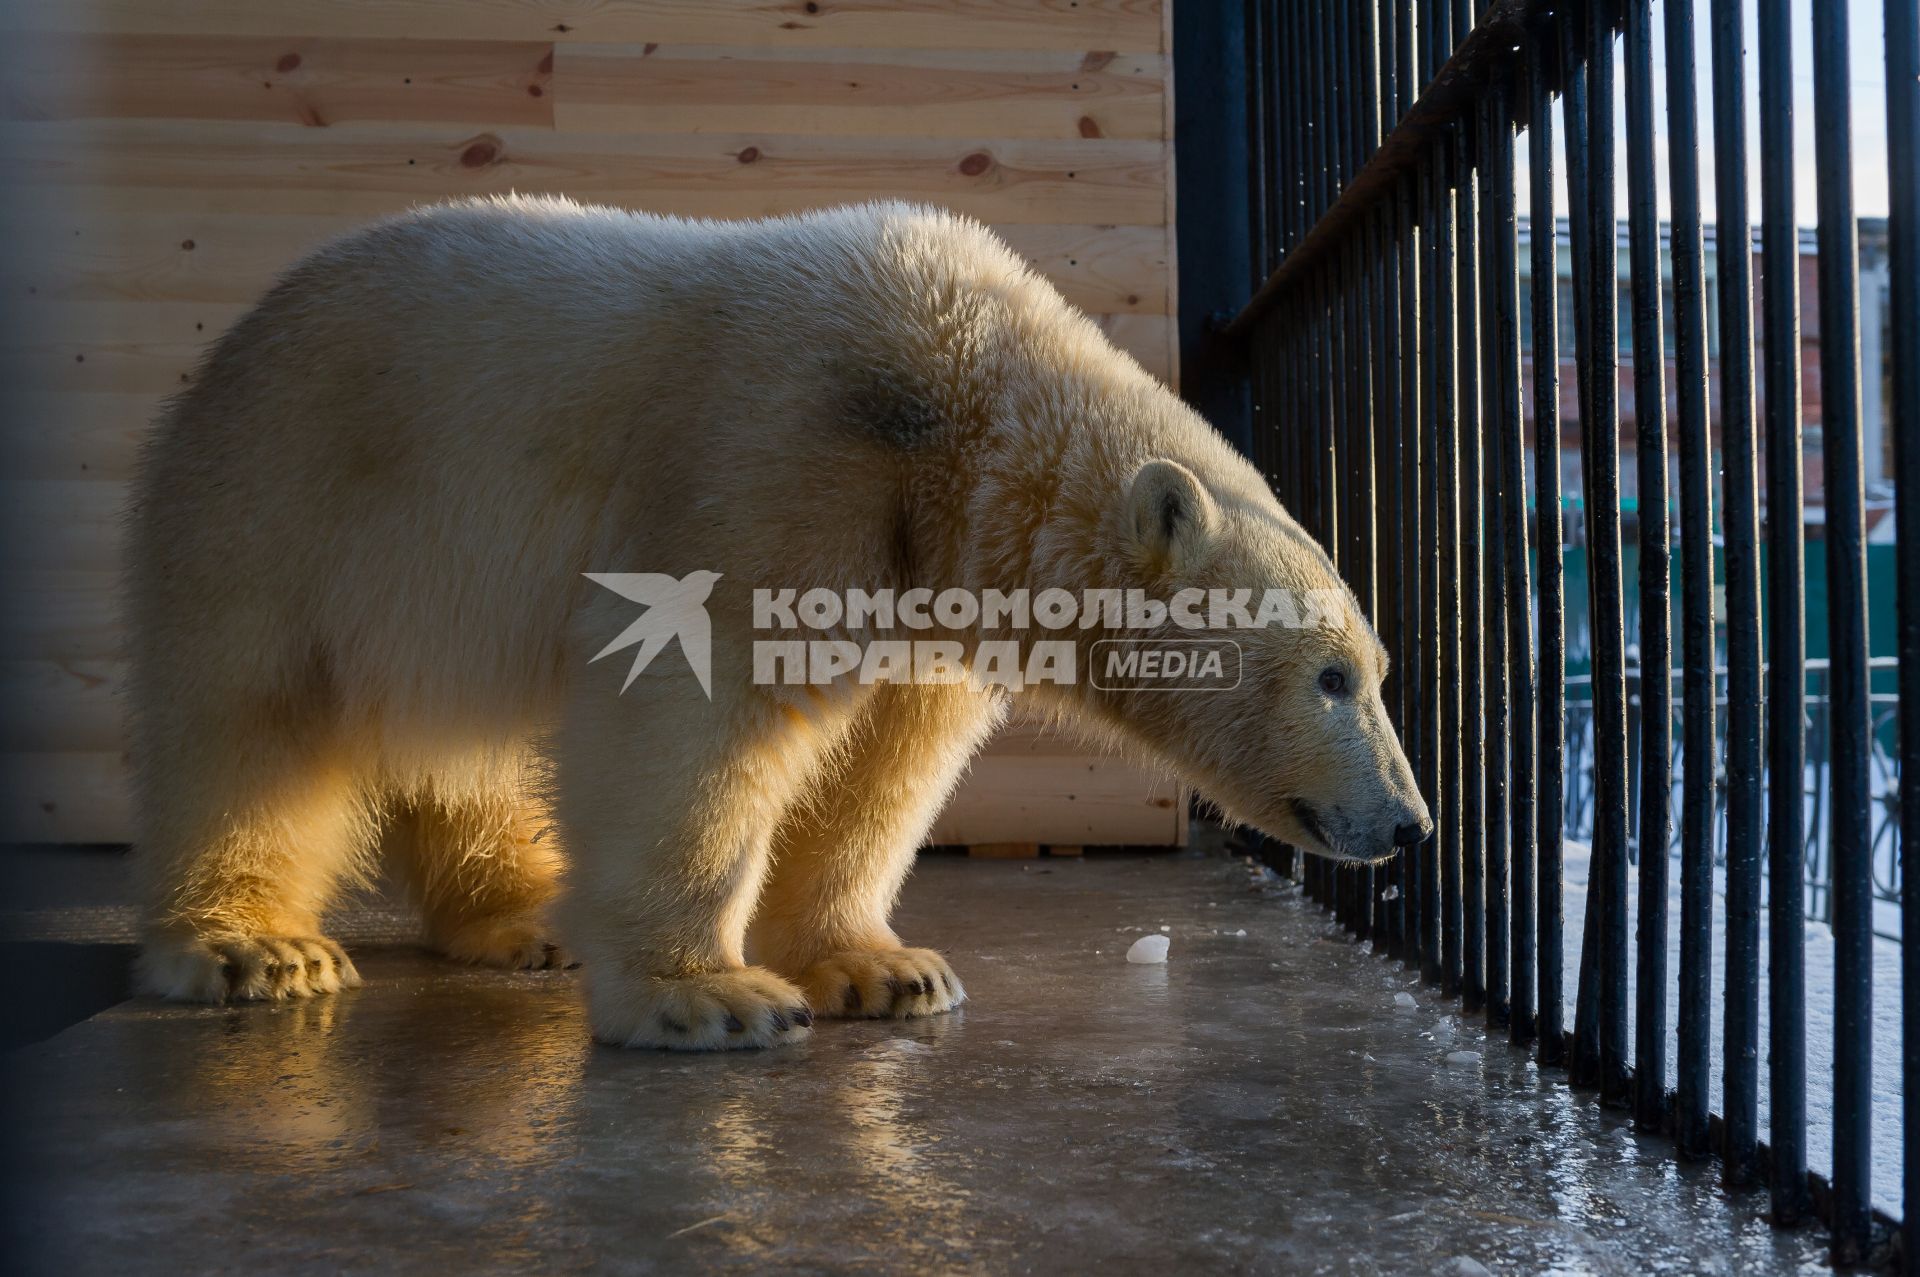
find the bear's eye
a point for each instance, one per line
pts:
(1333, 682)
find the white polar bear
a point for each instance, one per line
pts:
(360, 612)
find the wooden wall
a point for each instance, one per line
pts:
(164, 159)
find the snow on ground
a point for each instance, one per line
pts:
(1819, 1028)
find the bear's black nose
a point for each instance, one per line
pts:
(1414, 831)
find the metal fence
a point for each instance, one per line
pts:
(1384, 349)
(1883, 790)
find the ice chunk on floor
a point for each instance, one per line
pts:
(1149, 949)
(1404, 1001)
(1461, 1266)
(899, 1046)
(1463, 1059)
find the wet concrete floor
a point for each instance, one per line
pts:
(1258, 1104)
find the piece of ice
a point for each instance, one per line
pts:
(1241, 932)
(1165, 927)
(1461, 1266)
(1465, 1059)
(899, 1046)
(1148, 950)
(1391, 893)
(1405, 1001)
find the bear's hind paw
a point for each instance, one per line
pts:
(514, 943)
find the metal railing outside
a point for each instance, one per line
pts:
(1384, 349)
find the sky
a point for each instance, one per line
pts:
(1867, 47)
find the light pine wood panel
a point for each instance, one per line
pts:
(1084, 800)
(148, 348)
(1126, 25)
(655, 88)
(59, 525)
(94, 254)
(64, 797)
(73, 434)
(94, 400)
(304, 81)
(370, 168)
(167, 160)
(60, 706)
(60, 615)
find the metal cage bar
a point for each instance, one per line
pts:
(1396, 377)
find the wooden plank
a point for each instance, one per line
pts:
(61, 706)
(84, 404)
(1067, 851)
(1148, 338)
(85, 253)
(287, 79)
(1127, 25)
(147, 348)
(65, 798)
(659, 88)
(54, 525)
(1004, 851)
(73, 435)
(1081, 801)
(60, 615)
(237, 166)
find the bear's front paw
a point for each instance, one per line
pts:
(243, 968)
(714, 1011)
(883, 983)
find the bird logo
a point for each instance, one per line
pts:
(676, 608)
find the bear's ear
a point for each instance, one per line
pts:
(1170, 514)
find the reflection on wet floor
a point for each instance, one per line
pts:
(1259, 1103)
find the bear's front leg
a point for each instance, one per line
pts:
(841, 857)
(667, 803)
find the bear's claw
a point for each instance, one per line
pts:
(884, 984)
(711, 1011)
(244, 968)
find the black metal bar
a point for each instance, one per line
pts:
(1473, 816)
(1442, 405)
(1436, 747)
(1416, 565)
(1503, 282)
(1544, 250)
(1903, 253)
(1448, 94)
(1491, 118)
(1602, 492)
(1851, 859)
(1584, 1067)
(1694, 1018)
(1787, 641)
(1656, 683)
(1734, 270)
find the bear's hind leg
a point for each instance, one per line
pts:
(244, 842)
(839, 862)
(483, 867)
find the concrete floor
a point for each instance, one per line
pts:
(1259, 1104)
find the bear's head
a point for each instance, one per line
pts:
(1298, 742)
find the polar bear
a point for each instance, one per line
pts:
(370, 547)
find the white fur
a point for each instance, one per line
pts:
(359, 612)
